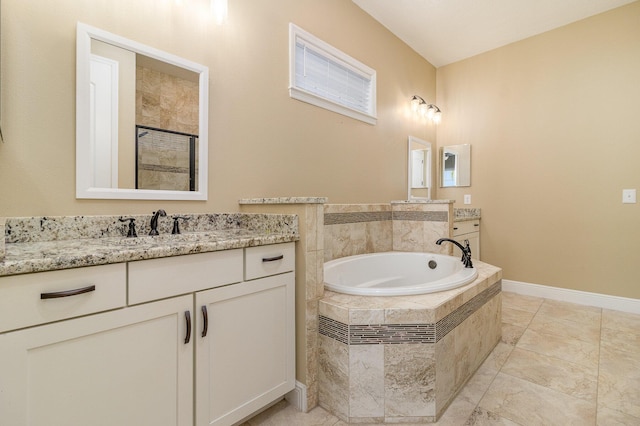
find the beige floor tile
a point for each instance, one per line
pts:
(511, 333)
(621, 321)
(517, 317)
(478, 384)
(521, 302)
(498, 356)
(573, 350)
(564, 376)
(619, 381)
(481, 417)
(284, 414)
(588, 331)
(621, 340)
(609, 417)
(529, 404)
(570, 311)
(457, 413)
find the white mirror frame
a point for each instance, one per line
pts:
(84, 188)
(427, 147)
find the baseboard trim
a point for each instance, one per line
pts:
(298, 397)
(606, 301)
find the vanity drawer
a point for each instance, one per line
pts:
(466, 227)
(155, 279)
(32, 299)
(263, 261)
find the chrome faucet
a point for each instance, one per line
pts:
(154, 221)
(466, 250)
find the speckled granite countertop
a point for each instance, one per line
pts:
(52, 243)
(464, 214)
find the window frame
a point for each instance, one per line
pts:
(330, 53)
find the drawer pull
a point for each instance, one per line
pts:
(187, 317)
(476, 224)
(67, 293)
(273, 259)
(205, 319)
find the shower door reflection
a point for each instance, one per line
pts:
(166, 159)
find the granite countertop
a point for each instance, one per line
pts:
(464, 214)
(27, 252)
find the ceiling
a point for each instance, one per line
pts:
(446, 31)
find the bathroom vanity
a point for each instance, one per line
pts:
(466, 226)
(195, 329)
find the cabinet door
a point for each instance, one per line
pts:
(247, 358)
(474, 244)
(125, 367)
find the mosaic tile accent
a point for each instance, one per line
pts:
(426, 216)
(390, 334)
(335, 329)
(355, 217)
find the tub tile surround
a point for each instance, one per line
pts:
(36, 244)
(404, 358)
(330, 231)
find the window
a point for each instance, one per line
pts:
(322, 75)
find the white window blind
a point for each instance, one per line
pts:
(326, 77)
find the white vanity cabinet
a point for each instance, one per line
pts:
(467, 230)
(133, 350)
(245, 349)
(99, 369)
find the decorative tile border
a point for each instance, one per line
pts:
(393, 334)
(355, 217)
(359, 217)
(421, 216)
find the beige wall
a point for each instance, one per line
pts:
(554, 123)
(262, 143)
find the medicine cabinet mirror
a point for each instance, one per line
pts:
(141, 121)
(455, 165)
(419, 168)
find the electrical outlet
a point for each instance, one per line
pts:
(629, 196)
(467, 199)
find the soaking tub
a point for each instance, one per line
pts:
(396, 273)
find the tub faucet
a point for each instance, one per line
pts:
(154, 221)
(466, 250)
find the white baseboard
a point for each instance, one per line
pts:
(298, 397)
(606, 301)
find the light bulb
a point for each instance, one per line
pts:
(437, 117)
(415, 104)
(423, 110)
(430, 112)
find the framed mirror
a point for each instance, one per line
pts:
(455, 166)
(419, 168)
(141, 121)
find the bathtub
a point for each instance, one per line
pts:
(396, 273)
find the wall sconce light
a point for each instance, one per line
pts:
(422, 108)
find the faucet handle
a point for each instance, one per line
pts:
(132, 226)
(176, 226)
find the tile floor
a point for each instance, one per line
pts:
(557, 364)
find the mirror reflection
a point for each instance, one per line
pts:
(455, 165)
(141, 121)
(419, 168)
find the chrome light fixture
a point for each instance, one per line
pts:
(422, 108)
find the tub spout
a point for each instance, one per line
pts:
(466, 250)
